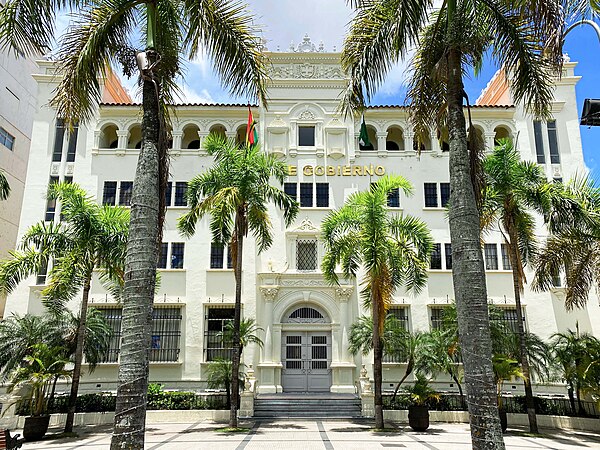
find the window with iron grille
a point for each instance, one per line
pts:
(448, 251)
(72, 146)
(306, 136)
(401, 314)
(431, 200)
(125, 193)
(437, 317)
(436, 257)
(491, 256)
(166, 334)
(59, 137)
(445, 194)
(50, 203)
(291, 189)
(114, 317)
(109, 194)
(180, 193)
(510, 320)
(164, 250)
(168, 193)
(322, 195)
(217, 255)
(42, 273)
(553, 142)
(306, 254)
(539, 142)
(506, 265)
(7, 139)
(306, 195)
(177, 249)
(393, 200)
(214, 345)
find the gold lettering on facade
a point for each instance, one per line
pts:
(379, 170)
(307, 170)
(330, 171)
(292, 171)
(346, 171)
(356, 170)
(319, 171)
(368, 170)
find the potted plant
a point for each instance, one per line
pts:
(505, 368)
(36, 376)
(418, 412)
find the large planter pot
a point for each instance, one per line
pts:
(418, 417)
(503, 420)
(35, 427)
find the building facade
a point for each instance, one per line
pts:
(305, 321)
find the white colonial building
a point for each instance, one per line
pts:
(306, 321)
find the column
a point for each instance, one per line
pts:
(123, 136)
(489, 141)
(343, 368)
(201, 136)
(177, 135)
(381, 143)
(270, 367)
(409, 137)
(269, 294)
(435, 143)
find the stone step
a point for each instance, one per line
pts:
(307, 407)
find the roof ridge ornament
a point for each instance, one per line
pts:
(306, 46)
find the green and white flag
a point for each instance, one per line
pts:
(363, 137)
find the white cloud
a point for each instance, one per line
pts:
(189, 95)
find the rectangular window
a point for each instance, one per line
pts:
(437, 317)
(166, 333)
(291, 189)
(431, 200)
(553, 142)
(215, 346)
(306, 195)
(491, 256)
(306, 136)
(177, 249)
(114, 317)
(125, 193)
(229, 260)
(306, 254)
(72, 147)
(217, 253)
(180, 193)
(50, 203)
(322, 195)
(448, 251)
(401, 314)
(393, 200)
(539, 142)
(436, 257)
(445, 194)
(162, 261)
(109, 195)
(509, 319)
(7, 139)
(506, 265)
(59, 137)
(168, 193)
(42, 273)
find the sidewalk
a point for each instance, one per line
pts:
(313, 434)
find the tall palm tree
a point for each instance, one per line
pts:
(524, 37)
(515, 191)
(4, 186)
(90, 238)
(393, 251)
(236, 193)
(105, 32)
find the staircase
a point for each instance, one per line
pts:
(311, 405)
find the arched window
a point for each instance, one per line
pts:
(306, 314)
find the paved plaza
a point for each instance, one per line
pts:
(313, 434)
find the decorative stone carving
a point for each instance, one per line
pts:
(54, 169)
(269, 293)
(344, 292)
(307, 227)
(307, 115)
(304, 282)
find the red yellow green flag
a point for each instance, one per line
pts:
(251, 133)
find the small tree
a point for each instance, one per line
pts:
(219, 377)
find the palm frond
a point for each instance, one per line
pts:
(4, 186)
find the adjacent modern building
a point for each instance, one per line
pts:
(306, 321)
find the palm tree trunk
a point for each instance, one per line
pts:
(570, 392)
(409, 369)
(515, 260)
(468, 274)
(377, 362)
(140, 277)
(235, 359)
(78, 354)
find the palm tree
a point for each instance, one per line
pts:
(452, 39)
(393, 251)
(236, 192)
(248, 333)
(90, 238)
(4, 186)
(106, 32)
(515, 191)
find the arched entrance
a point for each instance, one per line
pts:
(306, 350)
